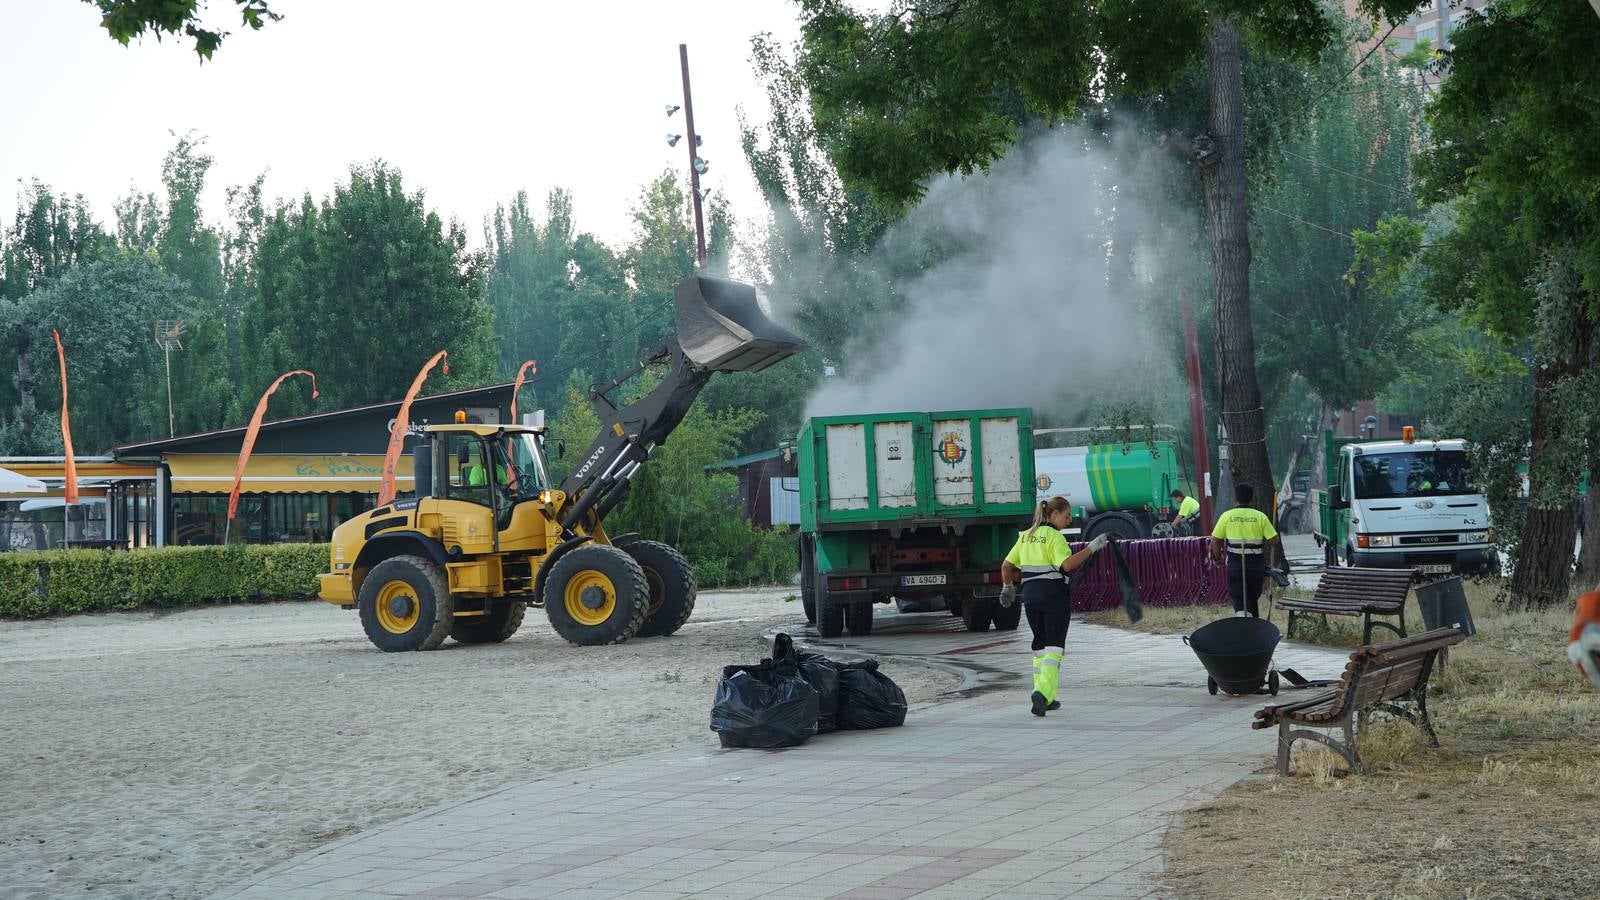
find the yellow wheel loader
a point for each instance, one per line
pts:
(487, 534)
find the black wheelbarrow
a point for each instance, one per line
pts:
(1237, 654)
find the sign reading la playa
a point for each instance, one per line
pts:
(333, 466)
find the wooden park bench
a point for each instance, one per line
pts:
(1355, 592)
(1377, 677)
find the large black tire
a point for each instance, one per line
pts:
(952, 603)
(1117, 525)
(977, 612)
(596, 595)
(501, 622)
(858, 618)
(1007, 618)
(830, 614)
(672, 587)
(405, 605)
(808, 577)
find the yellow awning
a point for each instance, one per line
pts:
(197, 473)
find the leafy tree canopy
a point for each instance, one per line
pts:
(125, 20)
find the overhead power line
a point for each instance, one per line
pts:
(1358, 177)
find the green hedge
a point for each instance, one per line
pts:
(63, 582)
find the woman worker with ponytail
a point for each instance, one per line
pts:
(1041, 560)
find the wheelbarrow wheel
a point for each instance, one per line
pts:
(1272, 682)
(1211, 685)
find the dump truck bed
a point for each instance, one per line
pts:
(896, 469)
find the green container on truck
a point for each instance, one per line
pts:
(1403, 504)
(911, 504)
(1121, 490)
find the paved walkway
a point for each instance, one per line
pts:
(973, 798)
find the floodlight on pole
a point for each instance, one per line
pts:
(169, 337)
(672, 109)
(673, 139)
(697, 166)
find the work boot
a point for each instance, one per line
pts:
(1054, 705)
(1039, 704)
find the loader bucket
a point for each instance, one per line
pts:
(721, 327)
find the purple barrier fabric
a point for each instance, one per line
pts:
(1170, 572)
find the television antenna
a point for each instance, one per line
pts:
(169, 337)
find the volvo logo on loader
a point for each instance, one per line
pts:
(589, 463)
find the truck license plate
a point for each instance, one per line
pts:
(911, 580)
(1435, 569)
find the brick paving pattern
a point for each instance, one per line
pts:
(973, 798)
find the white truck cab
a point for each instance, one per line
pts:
(1405, 505)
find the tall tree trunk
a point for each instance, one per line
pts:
(26, 407)
(1543, 574)
(1227, 212)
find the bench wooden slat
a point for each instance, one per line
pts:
(1375, 676)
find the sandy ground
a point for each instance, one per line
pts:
(170, 754)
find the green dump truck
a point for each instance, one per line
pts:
(911, 503)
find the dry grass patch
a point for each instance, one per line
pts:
(1507, 807)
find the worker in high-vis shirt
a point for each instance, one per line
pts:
(1245, 535)
(1188, 508)
(1041, 560)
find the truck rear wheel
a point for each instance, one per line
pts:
(1118, 526)
(1007, 618)
(808, 577)
(672, 587)
(405, 604)
(500, 622)
(858, 618)
(596, 595)
(830, 614)
(976, 612)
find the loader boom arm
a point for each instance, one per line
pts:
(627, 435)
(720, 328)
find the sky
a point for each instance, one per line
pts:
(493, 97)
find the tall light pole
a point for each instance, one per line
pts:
(169, 337)
(696, 164)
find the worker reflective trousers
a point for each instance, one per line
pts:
(1049, 608)
(1245, 574)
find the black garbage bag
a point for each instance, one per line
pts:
(764, 706)
(819, 671)
(1131, 604)
(868, 698)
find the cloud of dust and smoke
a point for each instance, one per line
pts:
(1039, 297)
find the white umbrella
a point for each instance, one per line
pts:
(13, 483)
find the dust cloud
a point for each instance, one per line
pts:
(1039, 295)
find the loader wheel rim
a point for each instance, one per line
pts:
(397, 607)
(658, 591)
(590, 598)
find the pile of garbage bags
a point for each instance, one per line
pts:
(787, 698)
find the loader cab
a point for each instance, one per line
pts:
(492, 466)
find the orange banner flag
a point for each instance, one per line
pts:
(255, 427)
(402, 424)
(66, 426)
(530, 364)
